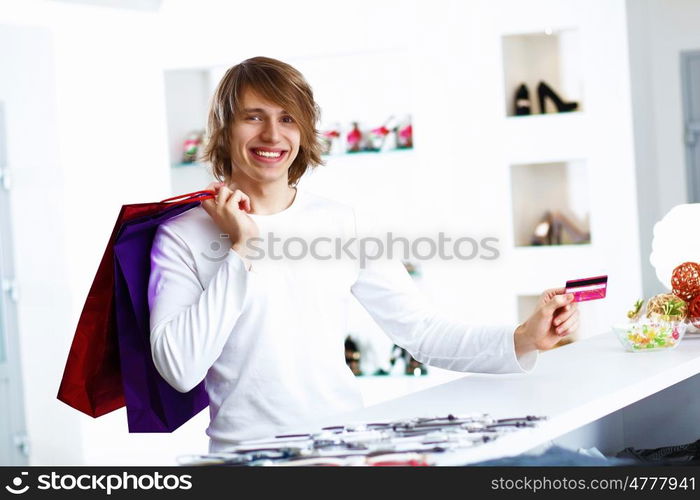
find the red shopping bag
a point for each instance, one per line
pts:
(92, 381)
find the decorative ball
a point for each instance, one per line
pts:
(694, 311)
(685, 280)
(668, 305)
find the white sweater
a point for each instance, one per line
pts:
(269, 342)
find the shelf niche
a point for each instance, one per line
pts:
(187, 94)
(559, 189)
(550, 56)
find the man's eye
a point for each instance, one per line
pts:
(254, 118)
(288, 119)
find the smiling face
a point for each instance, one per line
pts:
(265, 140)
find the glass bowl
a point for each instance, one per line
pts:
(649, 335)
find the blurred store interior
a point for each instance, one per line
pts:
(561, 128)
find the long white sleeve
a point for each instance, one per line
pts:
(190, 323)
(387, 292)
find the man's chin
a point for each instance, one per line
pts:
(271, 175)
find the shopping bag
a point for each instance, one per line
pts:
(152, 405)
(91, 381)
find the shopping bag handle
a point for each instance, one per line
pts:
(190, 197)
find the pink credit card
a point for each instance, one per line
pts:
(588, 288)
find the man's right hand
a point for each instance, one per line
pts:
(229, 211)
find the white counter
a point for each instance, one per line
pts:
(592, 391)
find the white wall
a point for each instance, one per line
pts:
(86, 133)
(601, 136)
(659, 31)
(38, 221)
(37, 218)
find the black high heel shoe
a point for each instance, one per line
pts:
(544, 90)
(522, 101)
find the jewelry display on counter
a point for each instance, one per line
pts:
(413, 441)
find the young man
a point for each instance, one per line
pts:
(267, 334)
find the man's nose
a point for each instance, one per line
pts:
(271, 132)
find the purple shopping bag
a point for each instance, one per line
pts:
(152, 405)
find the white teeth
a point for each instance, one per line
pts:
(268, 154)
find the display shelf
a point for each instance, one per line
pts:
(550, 56)
(187, 94)
(195, 164)
(544, 252)
(550, 203)
(369, 153)
(367, 159)
(540, 268)
(377, 180)
(547, 138)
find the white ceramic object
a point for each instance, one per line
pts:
(676, 240)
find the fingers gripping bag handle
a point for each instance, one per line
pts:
(190, 197)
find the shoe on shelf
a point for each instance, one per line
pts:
(545, 91)
(555, 228)
(522, 101)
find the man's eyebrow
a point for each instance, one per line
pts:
(260, 110)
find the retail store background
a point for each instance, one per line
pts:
(84, 98)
